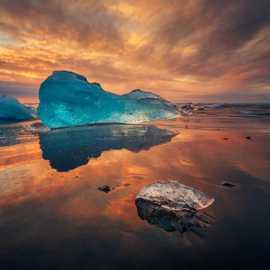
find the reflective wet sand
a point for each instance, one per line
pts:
(54, 218)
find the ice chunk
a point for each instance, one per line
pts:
(175, 196)
(11, 109)
(68, 99)
(174, 207)
(170, 221)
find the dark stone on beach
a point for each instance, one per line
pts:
(225, 139)
(104, 188)
(248, 137)
(228, 184)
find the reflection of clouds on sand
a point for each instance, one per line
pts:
(56, 207)
(67, 149)
(64, 213)
(18, 154)
(203, 161)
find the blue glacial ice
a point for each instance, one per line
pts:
(12, 110)
(68, 99)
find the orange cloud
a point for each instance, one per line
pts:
(182, 50)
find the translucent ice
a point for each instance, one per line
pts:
(11, 109)
(173, 206)
(139, 94)
(175, 196)
(68, 99)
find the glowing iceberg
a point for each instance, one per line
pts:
(68, 99)
(12, 110)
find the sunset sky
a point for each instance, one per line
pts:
(197, 50)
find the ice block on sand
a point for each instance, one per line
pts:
(68, 99)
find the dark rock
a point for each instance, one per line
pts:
(228, 184)
(104, 188)
(248, 137)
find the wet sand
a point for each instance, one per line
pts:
(53, 216)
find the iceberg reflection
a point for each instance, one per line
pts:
(67, 149)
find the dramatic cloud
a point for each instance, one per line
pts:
(181, 49)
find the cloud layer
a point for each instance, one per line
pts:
(181, 49)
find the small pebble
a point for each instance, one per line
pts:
(126, 184)
(228, 184)
(104, 188)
